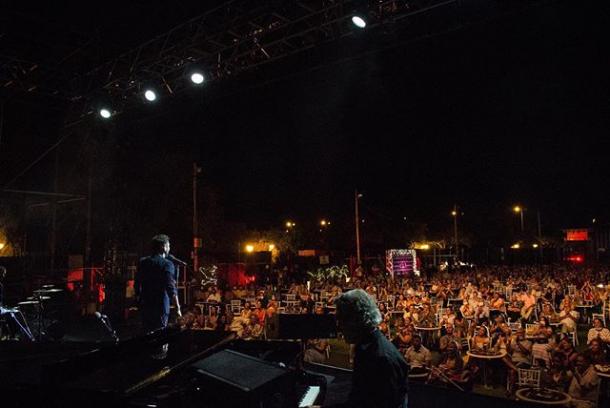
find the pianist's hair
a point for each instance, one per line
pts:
(358, 308)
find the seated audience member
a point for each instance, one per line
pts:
(598, 331)
(403, 339)
(222, 324)
(584, 384)
(448, 338)
(481, 340)
(520, 350)
(548, 312)
(460, 326)
(596, 352)
(467, 311)
(565, 349)
(497, 302)
(451, 364)
(529, 305)
(543, 330)
(568, 318)
(384, 328)
(252, 328)
(214, 296)
(499, 327)
(556, 376)
(418, 356)
(316, 351)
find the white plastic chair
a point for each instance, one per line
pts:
(528, 378)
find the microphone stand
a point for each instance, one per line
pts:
(444, 376)
(108, 326)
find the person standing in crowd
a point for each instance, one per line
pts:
(155, 286)
(380, 372)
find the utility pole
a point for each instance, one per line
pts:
(87, 261)
(455, 231)
(196, 239)
(540, 237)
(53, 235)
(522, 223)
(357, 220)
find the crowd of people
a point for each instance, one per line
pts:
(549, 318)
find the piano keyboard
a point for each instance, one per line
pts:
(309, 398)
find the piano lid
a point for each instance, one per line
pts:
(129, 366)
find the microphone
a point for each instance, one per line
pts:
(173, 258)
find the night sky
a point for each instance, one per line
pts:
(510, 110)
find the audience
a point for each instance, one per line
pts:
(483, 309)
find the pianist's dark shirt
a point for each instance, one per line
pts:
(380, 375)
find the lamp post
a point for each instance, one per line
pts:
(454, 213)
(519, 210)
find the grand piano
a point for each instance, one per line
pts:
(200, 369)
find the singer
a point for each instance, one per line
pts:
(155, 286)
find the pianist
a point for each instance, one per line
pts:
(380, 372)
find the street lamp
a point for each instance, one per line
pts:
(519, 210)
(249, 248)
(454, 214)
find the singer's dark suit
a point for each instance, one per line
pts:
(155, 285)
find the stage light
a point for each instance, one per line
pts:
(150, 95)
(105, 113)
(197, 78)
(249, 248)
(359, 21)
(534, 245)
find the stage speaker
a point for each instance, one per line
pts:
(232, 379)
(301, 326)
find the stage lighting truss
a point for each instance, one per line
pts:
(237, 36)
(231, 39)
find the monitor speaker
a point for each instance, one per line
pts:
(232, 379)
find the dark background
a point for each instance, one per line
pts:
(512, 109)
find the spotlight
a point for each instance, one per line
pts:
(105, 113)
(150, 95)
(359, 21)
(197, 78)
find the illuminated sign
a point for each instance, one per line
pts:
(401, 262)
(577, 235)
